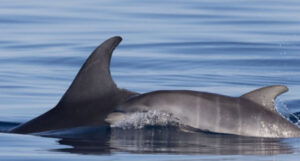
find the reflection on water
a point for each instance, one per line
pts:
(173, 141)
(161, 140)
(167, 140)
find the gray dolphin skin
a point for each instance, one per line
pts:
(92, 95)
(252, 114)
(94, 99)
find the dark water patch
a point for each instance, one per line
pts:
(34, 19)
(12, 86)
(15, 21)
(174, 63)
(184, 17)
(201, 44)
(236, 50)
(283, 33)
(6, 126)
(5, 42)
(36, 46)
(254, 22)
(293, 106)
(267, 63)
(231, 50)
(41, 60)
(247, 6)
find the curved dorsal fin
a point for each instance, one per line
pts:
(265, 96)
(89, 99)
(94, 78)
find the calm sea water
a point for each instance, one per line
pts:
(226, 46)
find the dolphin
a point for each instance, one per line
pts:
(252, 114)
(93, 99)
(89, 99)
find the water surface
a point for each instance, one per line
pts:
(227, 47)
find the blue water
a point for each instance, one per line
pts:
(226, 46)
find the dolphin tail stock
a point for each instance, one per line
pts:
(266, 96)
(90, 97)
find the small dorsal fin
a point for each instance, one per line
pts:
(265, 96)
(94, 78)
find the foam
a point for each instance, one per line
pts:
(139, 120)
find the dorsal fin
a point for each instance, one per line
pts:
(265, 96)
(94, 78)
(90, 98)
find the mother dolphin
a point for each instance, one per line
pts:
(89, 99)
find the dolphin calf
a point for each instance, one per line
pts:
(91, 96)
(252, 114)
